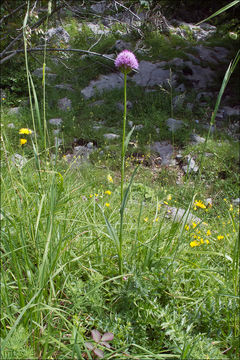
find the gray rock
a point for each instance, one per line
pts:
(174, 124)
(199, 77)
(191, 165)
(199, 33)
(57, 141)
(178, 100)
(59, 34)
(14, 111)
(39, 71)
(180, 88)
(236, 201)
(90, 145)
(139, 127)
(67, 87)
(96, 28)
(11, 125)
(104, 82)
(99, 7)
(64, 104)
(121, 45)
(231, 111)
(97, 127)
(204, 96)
(55, 122)
(196, 139)
(151, 74)
(189, 106)
(120, 106)
(18, 160)
(181, 215)
(164, 150)
(111, 136)
(56, 131)
(130, 123)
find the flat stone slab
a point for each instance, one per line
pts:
(151, 74)
(104, 82)
(165, 150)
(111, 136)
(55, 122)
(181, 215)
(174, 124)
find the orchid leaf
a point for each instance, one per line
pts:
(96, 335)
(107, 336)
(99, 353)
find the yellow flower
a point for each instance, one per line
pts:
(96, 195)
(208, 233)
(156, 219)
(194, 225)
(186, 227)
(194, 243)
(166, 203)
(91, 195)
(231, 208)
(110, 179)
(220, 237)
(108, 192)
(3, 98)
(23, 141)
(107, 204)
(200, 204)
(145, 219)
(169, 197)
(25, 131)
(207, 241)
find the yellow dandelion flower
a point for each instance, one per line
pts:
(146, 219)
(231, 208)
(96, 195)
(186, 227)
(25, 131)
(108, 192)
(91, 195)
(220, 237)
(23, 141)
(202, 241)
(156, 220)
(194, 243)
(200, 204)
(109, 178)
(169, 197)
(208, 233)
(194, 225)
(207, 241)
(107, 204)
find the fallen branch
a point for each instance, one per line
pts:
(14, 52)
(13, 12)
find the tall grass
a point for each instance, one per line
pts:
(62, 260)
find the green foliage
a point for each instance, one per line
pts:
(17, 347)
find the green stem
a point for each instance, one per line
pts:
(122, 173)
(123, 136)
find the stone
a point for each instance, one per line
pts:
(191, 165)
(55, 122)
(96, 28)
(90, 145)
(39, 71)
(204, 96)
(174, 124)
(180, 88)
(56, 131)
(59, 34)
(67, 87)
(18, 160)
(199, 77)
(111, 136)
(120, 106)
(130, 123)
(236, 201)
(151, 74)
(181, 215)
(178, 100)
(198, 32)
(14, 111)
(196, 139)
(104, 82)
(189, 106)
(57, 141)
(11, 125)
(139, 127)
(164, 150)
(99, 7)
(231, 111)
(121, 45)
(64, 104)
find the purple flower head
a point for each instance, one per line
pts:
(126, 61)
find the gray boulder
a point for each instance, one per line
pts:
(164, 150)
(64, 104)
(55, 122)
(174, 124)
(151, 74)
(18, 160)
(111, 136)
(58, 34)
